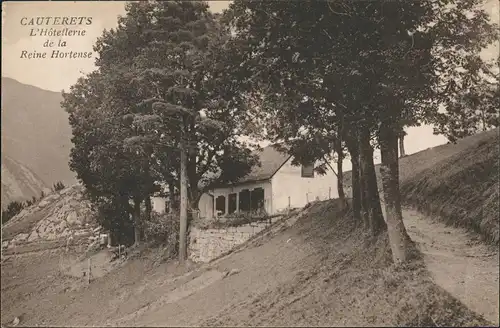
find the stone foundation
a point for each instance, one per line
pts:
(208, 244)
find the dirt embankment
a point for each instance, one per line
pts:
(456, 183)
(322, 271)
(462, 189)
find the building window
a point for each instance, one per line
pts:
(257, 199)
(232, 203)
(308, 171)
(244, 202)
(220, 204)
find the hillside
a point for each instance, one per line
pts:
(36, 134)
(459, 183)
(19, 182)
(314, 268)
(462, 189)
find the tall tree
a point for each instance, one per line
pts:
(177, 86)
(383, 62)
(303, 68)
(98, 156)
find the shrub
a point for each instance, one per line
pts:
(113, 215)
(235, 220)
(163, 229)
(12, 210)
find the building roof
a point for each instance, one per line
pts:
(271, 160)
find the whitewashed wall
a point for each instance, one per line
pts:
(158, 204)
(289, 186)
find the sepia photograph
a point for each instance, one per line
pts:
(250, 163)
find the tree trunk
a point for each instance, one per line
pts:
(147, 217)
(137, 222)
(402, 145)
(398, 237)
(194, 193)
(183, 205)
(363, 187)
(340, 174)
(374, 209)
(355, 183)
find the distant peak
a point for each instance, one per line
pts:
(8, 82)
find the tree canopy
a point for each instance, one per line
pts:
(177, 86)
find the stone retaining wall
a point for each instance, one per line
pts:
(208, 244)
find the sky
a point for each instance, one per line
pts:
(59, 74)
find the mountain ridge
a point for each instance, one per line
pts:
(36, 136)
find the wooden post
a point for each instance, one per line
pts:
(289, 203)
(307, 198)
(329, 192)
(214, 209)
(237, 202)
(89, 271)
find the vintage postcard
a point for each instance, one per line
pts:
(250, 163)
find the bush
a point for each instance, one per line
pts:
(234, 220)
(163, 229)
(12, 210)
(113, 215)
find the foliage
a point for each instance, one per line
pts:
(354, 71)
(351, 75)
(15, 207)
(160, 90)
(12, 210)
(163, 229)
(187, 97)
(472, 111)
(113, 214)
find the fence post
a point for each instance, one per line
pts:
(307, 198)
(329, 192)
(89, 271)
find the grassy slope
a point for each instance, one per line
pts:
(462, 189)
(459, 183)
(322, 271)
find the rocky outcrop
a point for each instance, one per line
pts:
(59, 216)
(19, 183)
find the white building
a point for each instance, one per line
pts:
(274, 186)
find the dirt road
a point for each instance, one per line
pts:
(458, 262)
